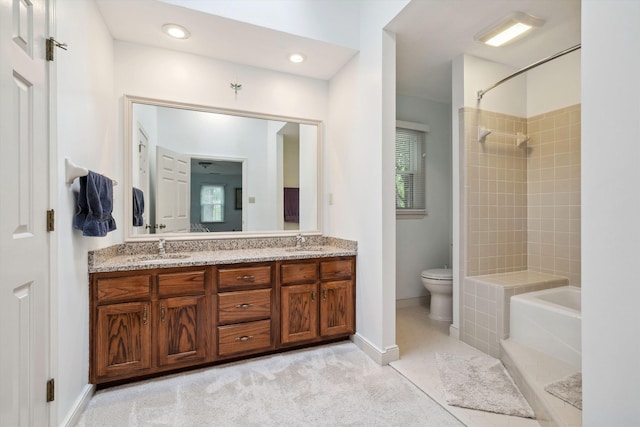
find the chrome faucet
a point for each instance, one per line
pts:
(300, 240)
(161, 250)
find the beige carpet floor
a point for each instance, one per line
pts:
(333, 385)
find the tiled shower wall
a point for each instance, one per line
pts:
(496, 194)
(553, 187)
(522, 203)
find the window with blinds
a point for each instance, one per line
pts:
(410, 171)
(212, 203)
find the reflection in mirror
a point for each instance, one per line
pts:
(201, 170)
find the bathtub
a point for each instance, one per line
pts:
(549, 321)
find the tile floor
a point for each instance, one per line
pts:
(419, 338)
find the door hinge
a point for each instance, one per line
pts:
(51, 390)
(51, 220)
(52, 43)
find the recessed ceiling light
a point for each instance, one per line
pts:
(297, 58)
(510, 29)
(176, 31)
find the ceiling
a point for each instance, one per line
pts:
(429, 35)
(140, 21)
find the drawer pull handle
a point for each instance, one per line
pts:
(245, 306)
(244, 338)
(313, 296)
(324, 294)
(246, 278)
(144, 315)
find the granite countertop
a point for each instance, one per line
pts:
(143, 256)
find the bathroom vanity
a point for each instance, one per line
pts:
(154, 314)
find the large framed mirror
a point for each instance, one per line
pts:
(201, 172)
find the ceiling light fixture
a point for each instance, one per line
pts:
(510, 29)
(176, 31)
(297, 58)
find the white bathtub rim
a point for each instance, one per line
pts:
(532, 298)
(546, 326)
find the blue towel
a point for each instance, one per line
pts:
(138, 207)
(95, 204)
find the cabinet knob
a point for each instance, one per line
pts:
(244, 338)
(244, 306)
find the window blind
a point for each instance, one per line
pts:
(410, 170)
(212, 203)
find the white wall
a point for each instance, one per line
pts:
(425, 243)
(86, 134)
(361, 170)
(508, 98)
(307, 175)
(554, 85)
(611, 208)
(171, 75)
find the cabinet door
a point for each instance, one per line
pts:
(299, 321)
(336, 308)
(122, 345)
(181, 330)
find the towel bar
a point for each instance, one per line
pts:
(73, 171)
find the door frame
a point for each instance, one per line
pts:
(53, 204)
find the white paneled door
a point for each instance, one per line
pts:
(173, 198)
(24, 200)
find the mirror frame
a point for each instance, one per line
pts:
(129, 236)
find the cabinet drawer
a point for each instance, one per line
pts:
(244, 337)
(247, 276)
(125, 288)
(178, 284)
(243, 306)
(298, 272)
(341, 269)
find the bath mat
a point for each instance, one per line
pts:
(482, 383)
(568, 389)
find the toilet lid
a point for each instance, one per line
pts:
(438, 274)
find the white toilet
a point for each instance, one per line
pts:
(439, 282)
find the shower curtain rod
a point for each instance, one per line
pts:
(527, 68)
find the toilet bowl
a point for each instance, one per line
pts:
(439, 283)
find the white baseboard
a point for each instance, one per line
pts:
(79, 406)
(381, 357)
(454, 332)
(422, 301)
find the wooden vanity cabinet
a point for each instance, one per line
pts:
(317, 299)
(145, 322)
